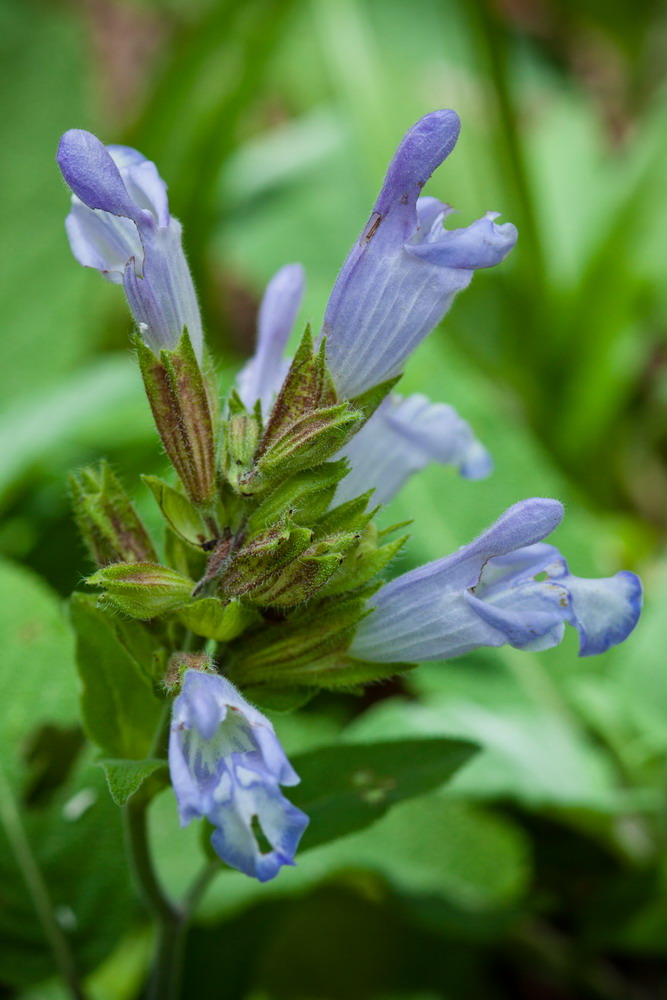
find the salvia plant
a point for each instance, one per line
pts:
(270, 583)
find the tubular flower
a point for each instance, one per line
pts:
(226, 764)
(404, 270)
(120, 225)
(263, 374)
(501, 588)
(402, 437)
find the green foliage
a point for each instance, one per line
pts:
(120, 710)
(125, 777)
(345, 788)
(54, 809)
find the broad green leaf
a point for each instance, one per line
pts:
(428, 848)
(67, 819)
(76, 842)
(38, 678)
(125, 777)
(532, 751)
(120, 710)
(276, 699)
(345, 788)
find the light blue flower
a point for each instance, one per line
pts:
(264, 373)
(405, 269)
(120, 225)
(402, 437)
(501, 588)
(226, 764)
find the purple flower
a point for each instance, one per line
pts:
(263, 374)
(402, 437)
(226, 764)
(120, 225)
(405, 269)
(501, 588)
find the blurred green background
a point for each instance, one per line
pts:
(540, 872)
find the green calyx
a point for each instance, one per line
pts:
(258, 559)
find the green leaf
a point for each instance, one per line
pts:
(531, 751)
(143, 590)
(272, 698)
(212, 619)
(71, 827)
(181, 515)
(345, 788)
(125, 777)
(38, 678)
(120, 710)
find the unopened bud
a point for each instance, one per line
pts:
(143, 590)
(106, 518)
(183, 414)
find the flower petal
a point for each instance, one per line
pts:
(262, 376)
(143, 182)
(481, 244)
(102, 241)
(404, 271)
(226, 764)
(423, 614)
(160, 291)
(604, 611)
(93, 176)
(402, 437)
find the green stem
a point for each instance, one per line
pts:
(171, 919)
(199, 887)
(18, 841)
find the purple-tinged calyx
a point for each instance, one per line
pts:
(405, 269)
(227, 764)
(120, 225)
(402, 437)
(504, 587)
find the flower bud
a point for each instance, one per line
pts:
(106, 518)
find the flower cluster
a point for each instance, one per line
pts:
(273, 559)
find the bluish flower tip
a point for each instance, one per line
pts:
(120, 225)
(403, 272)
